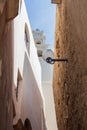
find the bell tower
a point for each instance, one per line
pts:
(40, 41)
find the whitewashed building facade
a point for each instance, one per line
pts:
(29, 101)
(47, 78)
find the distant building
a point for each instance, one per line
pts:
(47, 78)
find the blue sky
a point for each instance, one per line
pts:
(42, 16)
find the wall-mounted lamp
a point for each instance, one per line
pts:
(48, 56)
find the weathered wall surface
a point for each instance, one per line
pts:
(70, 79)
(6, 77)
(6, 63)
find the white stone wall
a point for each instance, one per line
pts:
(47, 79)
(20, 48)
(47, 71)
(47, 87)
(49, 106)
(30, 70)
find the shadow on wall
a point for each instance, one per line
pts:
(20, 126)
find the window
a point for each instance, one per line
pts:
(14, 111)
(38, 43)
(19, 79)
(39, 52)
(27, 39)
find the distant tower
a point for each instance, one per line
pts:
(47, 78)
(40, 42)
(39, 37)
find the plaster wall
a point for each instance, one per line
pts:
(70, 79)
(47, 87)
(6, 76)
(49, 106)
(7, 13)
(32, 103)
(47, 71)
(28, 64)
(6, 70)
(47, 78)
(19, 44)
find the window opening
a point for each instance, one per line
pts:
(19, 78)
(38, 43)
(27, 39)
(39, 53)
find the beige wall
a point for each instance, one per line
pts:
(6, 78)
(6, 73)
(6, 62)
(70, 79)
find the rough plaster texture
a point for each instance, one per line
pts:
(11, 7)
(6, 65)
(0, 68)
(6, 79)
(70, 79)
